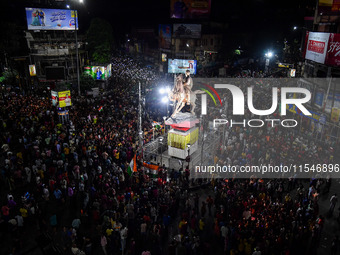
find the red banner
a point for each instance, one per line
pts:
(316, 46)
(333, 53)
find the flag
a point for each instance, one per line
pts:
(153, 169)
(100, 109)
(150, 166)
(156, 125)
(132, 166)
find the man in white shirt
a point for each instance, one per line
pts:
(224, 232)
(123, 236)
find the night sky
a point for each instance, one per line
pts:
(262, 21)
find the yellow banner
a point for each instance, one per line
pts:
(181, 141)
(32, 70)
(335, 115)
(64, 98)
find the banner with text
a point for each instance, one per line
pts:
(317, 47)
(181, 65)
(51, 19)
(64, 98)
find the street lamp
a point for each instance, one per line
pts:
(188, 145)
(165, 99)
(268, 55)
(164, 90)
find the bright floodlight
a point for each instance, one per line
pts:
(295, 27)
(162, 91)
(165, 100)
(167, 89)
(187, 44)
(81, 1)
(67, 6)
(269, 54)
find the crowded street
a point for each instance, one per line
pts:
(189, 127)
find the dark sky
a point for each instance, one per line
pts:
(261, 20)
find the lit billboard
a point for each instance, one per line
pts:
(98, 72)
(164, 32)
(55, 100)
(32, 70)
(190, 9)
(329, 7)
(64, 98)
(316, 48)
(333, 53)
(187, 31)
(181, 65)
(51, 19)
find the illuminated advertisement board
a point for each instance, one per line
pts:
(329, 7)
(190, 9)
(164, 32)
(64, 98)
(181, 65)
(316, 48)
(55, 99)
(98, 73)
(51, 19)
(32, 70)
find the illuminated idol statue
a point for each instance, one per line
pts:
(182, 93)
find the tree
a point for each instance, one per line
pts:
(86, 82)
(100, 40)
(10, 77)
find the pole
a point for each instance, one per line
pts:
(329, 87)
(202, 140)
(140, 118)
(162, 154)
(77, 53)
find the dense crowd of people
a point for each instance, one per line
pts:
(126, 69)
(73, 181)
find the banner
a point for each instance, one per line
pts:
(333, 52)
(180, 141)
(187, 31)
(108, 72)
(164, 57)
(55, 99)
(64, 98)
(51, 19)
(33, 72)
(329, 103)
(335, 115)
(318, 99)
(98, 72)
(292, 108)
(190, 9)
(181, 65)
(316, 48)
(329, 7)
(164, 32)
